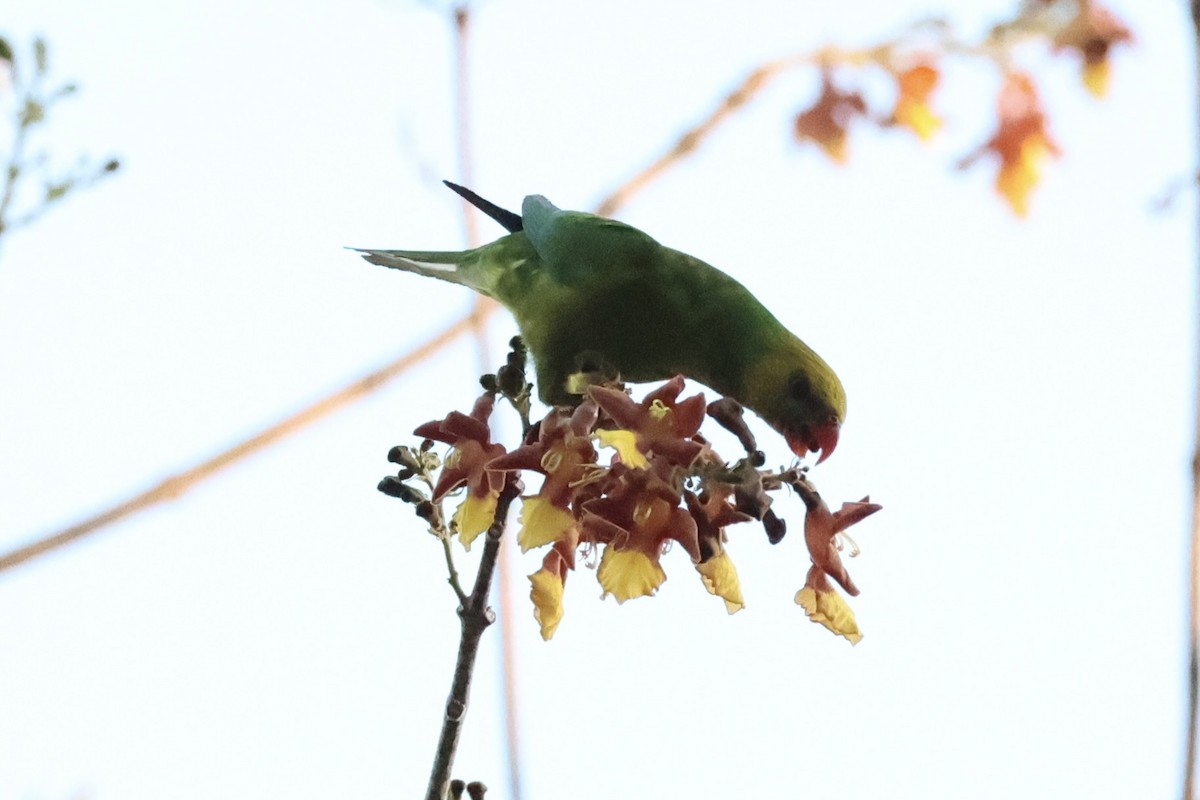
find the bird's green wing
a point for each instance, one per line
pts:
(578, 249)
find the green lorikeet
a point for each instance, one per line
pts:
(593, 295)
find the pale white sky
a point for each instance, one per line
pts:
(1019, 403)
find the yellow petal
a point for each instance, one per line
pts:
(835, 147)
(919, 118)
(546, 594)
(1095, 77)
(1016, 179)
(474, 516)
(625, 443)
(829, 609)
(628, 573)
(720, 578)
(542, 522)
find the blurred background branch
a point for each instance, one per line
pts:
(32, 184)
(31, 187)
(1065, 25)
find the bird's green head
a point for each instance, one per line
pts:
(799, 395)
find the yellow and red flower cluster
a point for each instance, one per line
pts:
(663, 484)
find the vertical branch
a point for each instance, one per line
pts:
(475, 616)
(480, 310)
(462, 108)
(1193, 622)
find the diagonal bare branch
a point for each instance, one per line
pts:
(175, 485)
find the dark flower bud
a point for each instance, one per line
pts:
(511, 380)
(394, 487)
(775, 526)
(730, 415)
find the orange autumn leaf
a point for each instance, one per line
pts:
(827, 121)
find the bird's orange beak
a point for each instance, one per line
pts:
(819, 437)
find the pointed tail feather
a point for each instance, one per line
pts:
(445, 266)
(509, 220)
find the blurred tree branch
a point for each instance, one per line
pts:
(1034, 19)
(33, 102)
(1193, 609)
(1055, 21)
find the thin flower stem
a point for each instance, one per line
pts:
(475, 616)
(453, 572)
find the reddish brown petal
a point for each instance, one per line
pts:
(618, 405)
(462, 426)
(853, 513)
(689, 415)
(483, 407)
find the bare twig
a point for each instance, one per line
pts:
(475, 616)
(462, 92)
(691, 139)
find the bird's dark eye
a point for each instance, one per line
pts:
(798, 386)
